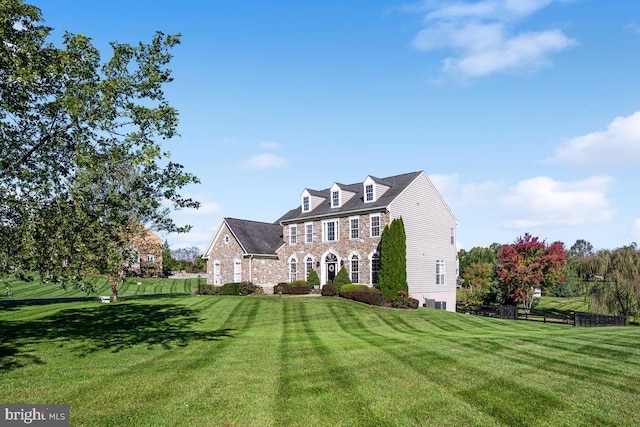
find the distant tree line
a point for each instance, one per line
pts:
(189, 260)
(511, 274)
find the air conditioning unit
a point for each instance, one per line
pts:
(429, 303)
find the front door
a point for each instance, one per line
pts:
(331, 261)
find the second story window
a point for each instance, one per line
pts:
(355, 233)
(308, 232)
(151, 258)
(375, 225)
(439, 272)
(305, 204)
(293, 234)
(330, 231)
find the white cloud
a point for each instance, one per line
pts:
(462, 196)
(482, 38)
(269, 145)
(618, 145)
(543, 202)
(635, 229)
(264, 161)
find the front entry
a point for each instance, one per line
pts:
(331, 261)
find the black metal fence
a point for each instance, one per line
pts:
(513, 312)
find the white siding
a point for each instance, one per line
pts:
(428, 223)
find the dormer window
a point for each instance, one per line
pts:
(305, 204)
(368, 193)
(335, 199)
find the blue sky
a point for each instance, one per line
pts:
(524, 113)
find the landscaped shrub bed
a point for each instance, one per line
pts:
(354, 287)
(329, 290)
(366, 297)
(297, 287)
(404, 301)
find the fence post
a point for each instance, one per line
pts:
(544, 314)
(574, 317)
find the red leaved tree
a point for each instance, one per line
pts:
(527, 264)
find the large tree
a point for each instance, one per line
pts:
(392, 276)
(527, 264)
(82, 166)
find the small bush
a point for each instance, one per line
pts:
(363, 296)
(313, 280)
(353, 287)
(210, 290)
(232, 288)
(297, 287)
(342, 278)
(329, 290)
(258, 290)
(404, 301)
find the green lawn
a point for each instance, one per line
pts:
(37, 290)
(312, 361)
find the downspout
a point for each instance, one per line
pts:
(250, 269)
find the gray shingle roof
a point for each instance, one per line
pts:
(258, 238)
(395, 183)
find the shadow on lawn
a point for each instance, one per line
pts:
(113, 327)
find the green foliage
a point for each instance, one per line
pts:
(329, 290)
(353, 287)
(404, 301)
(297, 287)
(312, 279)
(342, 278)
(82, 164)
(392, 276)
(366, 297)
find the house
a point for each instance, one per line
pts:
(341, 226)
(147, 247)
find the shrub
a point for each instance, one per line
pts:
(258, 290)
(353, 287)
(329, 290)
(232, 288)
(366, 297)
(342, 278)
(404, 301)
(210, 290)
(297, 287)
(313, 280)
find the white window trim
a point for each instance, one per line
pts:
(293, 234)
(351, 228)
(306, 207)
(440, 272)
(237, 270)
(371, 216)
(333, 205)
(306, 233)
(373, 193)
(291, 261)
(308, 259)
(351, 260)
(336, 230)
(371, 255)
(216, 272)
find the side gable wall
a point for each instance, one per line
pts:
(428, 223)
(226, 254)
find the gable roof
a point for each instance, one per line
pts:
(396, 184)
(256, 238)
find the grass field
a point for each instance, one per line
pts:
(312, 361)
(36, 290)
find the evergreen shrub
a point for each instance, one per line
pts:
(366, 297)
(329, 290)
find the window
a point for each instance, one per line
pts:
(368, 193)
(293, 269)
(439, 272)
(308, 266)
(216, 272)
(237, 271)
(293, 234)
(355, 269)
(305, 204)
(375, 267)
(330, 231)
(308, 232)
(453, 236)
(353, 222)
(227, 239)
(335, 199)
(375, 225)
(151, 258)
